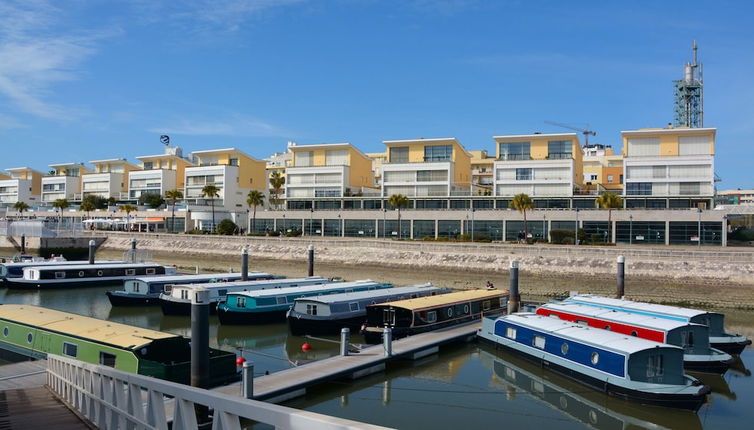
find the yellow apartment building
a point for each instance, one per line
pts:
(158, 174)
(482, 173)
(234, 172)
(328, 170)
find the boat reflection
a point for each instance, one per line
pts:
(738, 367)
(586, 405)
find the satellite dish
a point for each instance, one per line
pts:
(165, 139)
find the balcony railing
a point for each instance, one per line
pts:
(514, 157)
(559, 155)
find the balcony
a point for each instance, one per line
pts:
(514, 157)
(559, 155)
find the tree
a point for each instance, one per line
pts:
(154, 200)
(522, 202)
(253, 199)
(60, 205)
(609, 201)
(87, 205)
(211, 192)
(111, 201)
(398, 201)
(20, 207)
(276, 182)
(226, 227)
(173, 196)
(98, 202)
(128, 209)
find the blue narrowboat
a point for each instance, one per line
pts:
(84, 275)
(253, 307)
(623, 366)
(146, 290)
(16, 269)
(718, 337)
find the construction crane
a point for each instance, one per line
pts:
(585, 131)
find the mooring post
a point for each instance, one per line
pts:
(196, 269)
(245, 264)
(133, 250)
(23, 244)
(621, 277)
(387, 341)
(247, 380)
(310, 253)
(92, 248)
(345, 339)
(200, 338)
(514, 298)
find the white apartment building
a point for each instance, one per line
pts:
(327, 170)
(672, 163)
(64, 183)
(108, 179)
(23, 186)
(233, 172)
(158, 174)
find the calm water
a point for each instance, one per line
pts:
(462, 386)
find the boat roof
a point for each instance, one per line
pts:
(199, 277)
(112, 333)
(306, 289)
(220, 285)
(96, 265)
(369, 294)
(647, 321)
(604, 338)
(53, 263)
(638, 306)
(420, 303)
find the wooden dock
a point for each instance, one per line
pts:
(24, 374)
(290, 383)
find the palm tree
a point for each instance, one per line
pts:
(398, 201)
(173, 196)
(211, 192)
(128, 209)
(609, 201)
(60, 205)
(253, 199)
(20, 207)
(276, 182)
(87, 206)
(522, 202)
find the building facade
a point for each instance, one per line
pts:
(109, 179)
(24, 185)
(158, 174)
(482, 173)
(602, 169)
(64, 182)
(232, 171)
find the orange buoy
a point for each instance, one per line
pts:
(306, 347)
(240, 361)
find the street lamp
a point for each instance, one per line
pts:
(544, 227)
(340, 226)
(630, 229)
(576, 240)
(472, 223)
(699, 227)
(311, 220)
(384, 221)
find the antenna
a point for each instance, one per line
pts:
(689, 93)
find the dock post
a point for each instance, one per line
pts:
(245, 264)
(247, 380)
(345, 339)
(310, 253)
(514, 298)
(23, 244)
(92, 247)
(196, 269)
(387, 341)
(200, 338)
(621, 276)
(133, 250)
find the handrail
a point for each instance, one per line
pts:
(114, 399)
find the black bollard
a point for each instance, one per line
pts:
(200, 338)
(23, 244)
(514, 298)
(310, 252)
(245, 264)
(92, 247)
(621, 277)
(133, 250)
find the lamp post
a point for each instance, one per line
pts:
(544, 227)
(472, 222)
(576, 240)
(311, 220)
(699, 227)
(384, 221)
(340, 226)
(630, 229)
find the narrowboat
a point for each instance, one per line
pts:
(412, 316)
(146, 290)
(623, 366)
(16, 269)
(176, 300)
(718, 337)
(34, 331)
(255, 307)
(321, 315)
(85, 275)
(693, 338)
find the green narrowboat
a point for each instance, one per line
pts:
(34, 331)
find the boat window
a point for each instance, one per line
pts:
(106, 359)
(6, 331)
(539, 342)
(241, 302)
(564, 348)
(688, 339)
(634, 333)
(486, 305)
(466, 308)
(431, 316)
(184, 294)
(607, 327)
(281, 300)
(99, 273)
(353, 306)
(150, 271)
(29, 338)
(510, 333)
(349, 290)
(388, 316)
(136, 287)
(130, 272)
(311, 309)
(223, 292)
(654, 366)
(59, 275)
(582, 322)
(413, 296)
(595, 358)
(81, 273)
(168, 288)
(70, 349)
(450, 312)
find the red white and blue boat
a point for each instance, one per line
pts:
(693, 338)
(623, 366)
(718, 337)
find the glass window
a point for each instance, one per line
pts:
(107, 359)
(639, 188)
(353, 306)
(281, 300)
(595, 358)
(609, 178)
(148, 165)
(510, 332)
(431, 175)
(438, 153)
(654, 366)
(523, 174)
(431, 316)
(311, 309)
(689, 188)
(564, 348)
(399, 155)
(70, 349)
(303, 158)
(558, 149)
(241, 302)
(515, 151)
(539, 342)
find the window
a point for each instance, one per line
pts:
(399, 155)
(438, 153)
(634, 333)
(148, 165)
(644, 147)
(609, 178)
(184, 294)
(59, 275)
(538, 342)
(515, 151)
(353, 306)
(135, 286)
(241, 302)
(151, 271)
(106, 359)
(607, 327)
(81, 273)
(595, 358)
(130, 272)
(510, 333)
(450, 312)
(564, 348)
(281, 300)
(311, 309)
(6, 331)
(486, 305)
(687, 339)
(233, 162)
(431, 175)
(594, 177)
(303, 158)
(689, 188)
(654, 366)
(524, 174)
(29, 338)
(559, 149)
(70, 349)
(336, 157)
(639, 188)
(431, 316)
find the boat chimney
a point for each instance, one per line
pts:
(621, 277)
(310, 255)
(92, 248)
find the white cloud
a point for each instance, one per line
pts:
(8, 122)
(235, 126)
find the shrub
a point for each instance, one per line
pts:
(428, 238)
(226, 227)
(562, 236)
(293, 233)
(153, 200)
(273, 233)
(464, 237)
(482, 238)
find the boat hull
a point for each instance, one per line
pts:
(246, 318)
(171, 307)
(734, 347)
(318, 327)
(121, 298)
(20, 284)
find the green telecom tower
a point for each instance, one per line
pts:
(689, 96)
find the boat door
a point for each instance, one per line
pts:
(388, 317)
(43, 342)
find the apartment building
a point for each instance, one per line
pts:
(735, 197)
(378, 159)
(233, 172)
(540, 165)
(63, 182)
(109, 179)
(669, 167)
(482, 173)
(328, 170)
(603, 169)
(158, 174)
(24, 184)
(426, 168)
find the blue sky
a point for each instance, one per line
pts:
(86, 80)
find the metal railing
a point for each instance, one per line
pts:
(112, 399)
